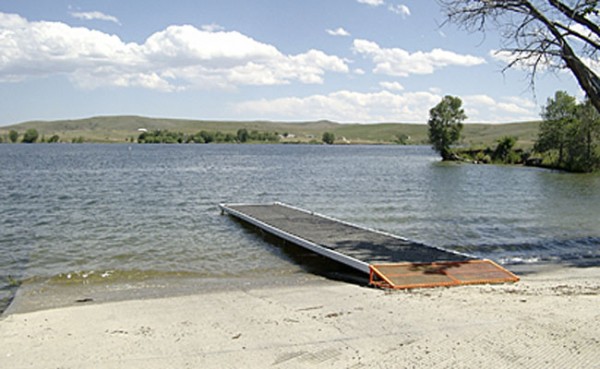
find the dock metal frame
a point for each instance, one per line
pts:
(397, 275)
(332, 254)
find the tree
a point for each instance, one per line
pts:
(504, 148)
(208, 137)
(242, 135)
(328, 138)
(558, 115)
(539, 34)
(445, 125)
(30, 136)
(589, 133)
(13, 136)
(569, 134)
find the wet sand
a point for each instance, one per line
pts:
(549, 319)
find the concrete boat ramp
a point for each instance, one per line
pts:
(390, 261)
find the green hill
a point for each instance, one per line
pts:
(123, 128)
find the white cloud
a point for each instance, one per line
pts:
(401, 63)
(585, 31)
(385, 106)
(400, 9)
(178, 57)
(95, 16)
(213, 27)
(346, 106)
(392, 86)
(372, 2)
(507, 57)
(485, 109)
(593, 64)
(338, 32)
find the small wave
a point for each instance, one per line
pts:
(573, 251)
(115, 276)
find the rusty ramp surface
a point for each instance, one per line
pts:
(438, 274)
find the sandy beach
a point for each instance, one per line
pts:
(549, 319)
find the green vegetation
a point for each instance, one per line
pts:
(445, 125)
(504, 153)
(402, 139)
(30, 136)
(120, 129)
(569, 134)
(568, 139)
(328, 138)
(169, 137)
(242, 135)
(13, 135)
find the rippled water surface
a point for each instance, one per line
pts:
(116, 211)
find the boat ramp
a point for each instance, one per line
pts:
(390, 261)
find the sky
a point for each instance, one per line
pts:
(348, 61)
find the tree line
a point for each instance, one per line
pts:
(242, 136)
(568, 139)
(30, 136)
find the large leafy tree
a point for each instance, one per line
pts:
(589, 134)
(569, 134)
(558, 117)
(539, 34)
(445, 125)
(583, 139)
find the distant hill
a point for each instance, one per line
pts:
(123, 128)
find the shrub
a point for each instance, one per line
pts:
(30, 136)
(13, 136)
(328, 138)
(504, 148)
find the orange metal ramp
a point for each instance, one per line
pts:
(438, 274)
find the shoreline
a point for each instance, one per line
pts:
(548, 319)
(38, 294)
(41, 295)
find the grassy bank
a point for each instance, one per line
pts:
(116, 129)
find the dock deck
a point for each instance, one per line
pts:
(390, 260)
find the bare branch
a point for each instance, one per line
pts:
(571, 32)
(537, 36)
(577, 16)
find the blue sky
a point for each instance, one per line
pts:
(354, 61)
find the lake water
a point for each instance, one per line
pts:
(108, 213)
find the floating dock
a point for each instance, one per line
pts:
(391, 261)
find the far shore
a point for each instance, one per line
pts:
(548, 319)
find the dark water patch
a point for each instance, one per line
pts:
(307, 260)
(576, 251)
